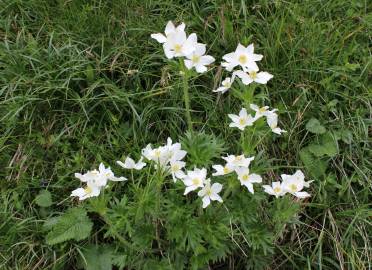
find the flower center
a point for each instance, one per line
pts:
(293, 187)
(277, 189)
(88, 190)
(196, 181)
(177, 48)
(226, 170)
(262, 109)
(195, 59)
(243, 59)
(157, 153)
(239, 158)
(253, 75)
(226, 84)
(242, 121)
(245, 177)
(209, 192)
(175, 168)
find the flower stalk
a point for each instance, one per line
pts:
(186, 96)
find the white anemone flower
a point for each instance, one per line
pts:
(175, 168)
(129, 163)
(174, 151)
(210, 193)
(194, 179)
(89, 191)
(260, 111)
(169, 29)
(178, 44)
(238, 161)
(225, 84)
(272, 121)
(198, 59)
(253, 76)
(107, 174)
(222, 170)
(243, 56)
(242, 120)
(295, 183)
(275, 189)
(247, 179)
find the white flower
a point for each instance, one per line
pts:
(106, 174)
(209, 193)
(272, 121)
(275, 189)
(174, 151)
(222, 170)
(169, 29)
(253, 76)
(237, 161)
(178, 44)
(247, 179)
(225, 85)
(295, 183)
(198, 60)
(89, 191)
(129, 163)
(242, 120)
(176, 169)
(244, 57)
(194, 179)
(260, 111)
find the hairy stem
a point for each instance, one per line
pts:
(186, 97)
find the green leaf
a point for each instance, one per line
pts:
(314, 165)
(314, 126)
(346, 136)
(98, 258)
(74, 224)
(44, 199)
(328, 146)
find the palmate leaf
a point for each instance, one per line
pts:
(74, 224)
(98, 257)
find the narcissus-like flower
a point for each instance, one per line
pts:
(253, 76)
(244, 57)
(272, 121)
(275, 189)
(129, 163)
(175, 168)
(198, 59)
(210, 193)
(178, 44)
(295, 183)
(169, 29)
(225, 85)
(235, 162)
(89, 191)
(247, 179)
(242, 120)
(222, 170)
(194, 179)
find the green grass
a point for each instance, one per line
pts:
(82, 82)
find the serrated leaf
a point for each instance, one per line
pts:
(44, 198)
(314, 165)
(74, 224)
(314, 126)
(98, 258)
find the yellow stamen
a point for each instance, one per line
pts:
(88, 190)
(242, 59)
(253, 75)
(195, 59)
(262, 109)
(242, 121)
(293, 187)
(277, 189)
(245, 177)
(209, 192)
(175, 168)
(196, 181)
(226, 170)
(177, 48)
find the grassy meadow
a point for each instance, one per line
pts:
(82, 82)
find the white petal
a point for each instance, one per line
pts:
(206, 60)
(206, 201)
(216, 197)
(200, 49)
(216, 187)
(159, 37)
(167, 51)
(189, 189)
(169, 28)
(255, 178)
(188, 64)
(263, 77)
(254, 107)
(79, 192)
(302, 194)
(200, 68)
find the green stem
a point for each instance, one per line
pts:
(186, 96)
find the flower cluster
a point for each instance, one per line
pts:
(244, 119)
(177, 44)
(292, 184)
(169, 158)
(95, 181)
